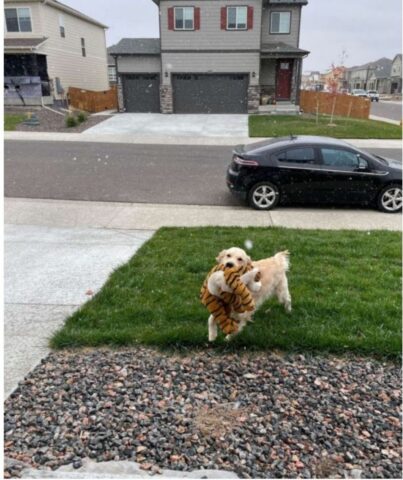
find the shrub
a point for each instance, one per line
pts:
(71, 121)
(81, 117)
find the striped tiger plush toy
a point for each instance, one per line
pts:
(220, 306)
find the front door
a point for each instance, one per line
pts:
(283, 79)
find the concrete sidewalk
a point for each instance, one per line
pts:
(48, 273)
(171, 140)
(144, 216)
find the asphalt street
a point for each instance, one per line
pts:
(165, 174)
(387, 109)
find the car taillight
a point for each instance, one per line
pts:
(245, 162)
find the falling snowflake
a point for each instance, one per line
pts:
(248, 244)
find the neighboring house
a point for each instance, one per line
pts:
(360, 76)
(49, 47)
(214, 56)
(312, 81)
(396, 75)
(379, 78)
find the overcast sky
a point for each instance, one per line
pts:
(365, 29)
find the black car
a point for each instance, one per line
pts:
(315, 170)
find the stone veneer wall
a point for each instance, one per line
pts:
(166, 99)
(253, 98)
(119, 88)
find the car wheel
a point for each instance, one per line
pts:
(263, 196)
(390, 199)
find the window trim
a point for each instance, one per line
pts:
(236, 29)
(193, 21)
(18, 18)
(289, 25)
(344, 168)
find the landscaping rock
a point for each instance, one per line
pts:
(256, 415)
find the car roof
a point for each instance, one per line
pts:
(286, 142)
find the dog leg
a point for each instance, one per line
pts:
(241, 326)
(212, 329)
(284, 296)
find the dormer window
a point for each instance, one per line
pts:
(280, 22)
(237, 18)
(184, 18)
(18, 19)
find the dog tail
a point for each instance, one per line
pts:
(283, 259)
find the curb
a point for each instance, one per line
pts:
(172, 140)
(145, 216)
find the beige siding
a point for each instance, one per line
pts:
(64, 55)
(290, 39)
(36, 21)
(139, 64)
(210, 35)
(211, 63)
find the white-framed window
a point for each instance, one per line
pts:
(83, 51)
(61, 26)
(18, 19)
(280, 22)
(112, 74)
(184, 18)
(237, 18)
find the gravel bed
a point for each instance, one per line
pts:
(257, 415)
(53, 122)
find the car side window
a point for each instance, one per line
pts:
(299, 156)
(337, 157)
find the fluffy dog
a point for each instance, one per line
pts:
(273, 282)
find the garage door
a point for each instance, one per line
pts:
(141, 92)
(203, 93)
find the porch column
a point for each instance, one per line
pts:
(296, 81)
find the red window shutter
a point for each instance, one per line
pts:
(250, 18)
(171, 18)
(197, 18)
(223, 18)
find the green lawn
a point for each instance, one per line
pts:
(11, 120)
(345, 287)
(283, 125)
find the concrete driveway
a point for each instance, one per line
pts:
(48, 274)
(156, 124)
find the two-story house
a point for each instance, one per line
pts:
(396, 75)
(213, 56)
(49, 47)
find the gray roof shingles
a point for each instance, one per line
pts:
(136, 46)
(281, 47)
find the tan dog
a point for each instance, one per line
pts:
(273, 282)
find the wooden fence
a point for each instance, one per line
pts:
(344, 105)
(91, 101)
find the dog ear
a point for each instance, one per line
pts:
(221, 255)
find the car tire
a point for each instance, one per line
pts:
(390, 199)
(263, 196)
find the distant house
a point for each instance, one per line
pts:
(49, 47)
(214, 56)
(396, 75)
(369, 75)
